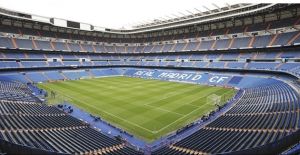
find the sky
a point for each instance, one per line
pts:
(115, 13)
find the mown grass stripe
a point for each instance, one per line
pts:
(146, 108)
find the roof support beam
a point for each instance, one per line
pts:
(175, 15)
(191, 13)
(228, 6)
(200, 12)
(217, 6)
(183, 15)
(206, 8)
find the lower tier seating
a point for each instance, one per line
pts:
(263, 115)
(33, 124)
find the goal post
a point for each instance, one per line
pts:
(85, 77)
(56, 98)
(213, 99)
(219, 100)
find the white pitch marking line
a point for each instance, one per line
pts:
(154, 132)
(163, 110)
(180, 118)
(173, 94)
(107, 112)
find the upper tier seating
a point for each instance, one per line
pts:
(288, 22)
(257, 41)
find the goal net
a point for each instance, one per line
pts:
(219, 100)
(56, 98)
(213, 99)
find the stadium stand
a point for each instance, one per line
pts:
(29, 123)
(247, 124)
(261, 59)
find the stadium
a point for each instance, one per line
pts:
(221, 81)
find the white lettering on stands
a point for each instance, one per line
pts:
(196, 77)
(140, 73)
(190, 75)
(222, 79)
(217, 79)
(163, 74)
(150, 74)
(181, 76)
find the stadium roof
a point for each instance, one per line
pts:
(91, 15)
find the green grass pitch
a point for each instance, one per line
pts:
(145, 108)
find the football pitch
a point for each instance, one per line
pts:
(148, 109)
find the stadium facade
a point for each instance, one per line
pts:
(251, 47)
